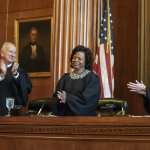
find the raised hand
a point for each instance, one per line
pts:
(137, 87)
(3, 68)
(62, 96)
(14, 68)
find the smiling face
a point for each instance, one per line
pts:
(78, 62)
(8, 52)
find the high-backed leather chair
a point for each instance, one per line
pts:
(40, 105)
(112, 107)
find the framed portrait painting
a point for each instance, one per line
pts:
(33, 42)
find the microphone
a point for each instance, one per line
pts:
(40, 110)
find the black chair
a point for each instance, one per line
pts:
(112, 107)
(40, 105)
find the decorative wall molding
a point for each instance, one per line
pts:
(38, 133)
(76, 130)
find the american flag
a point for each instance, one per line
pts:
(104, 58)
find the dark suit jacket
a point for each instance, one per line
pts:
(38, 64)
(18, 88)
(147, 100)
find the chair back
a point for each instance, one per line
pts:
(39, 105)
(112, 107)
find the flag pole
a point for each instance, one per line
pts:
(109, 42)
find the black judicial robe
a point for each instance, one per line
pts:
(18, 88)
(82, 95)
(147, 100)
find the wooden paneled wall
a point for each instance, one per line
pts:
(144, 26)
(126, 27)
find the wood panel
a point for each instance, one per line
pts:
(3, 6)
(125, 16)
(2, 28)
(144, 46)
(24, 5)
(76, 133)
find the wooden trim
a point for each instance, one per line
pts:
(141, 38)
(98, 127)
(144, 46)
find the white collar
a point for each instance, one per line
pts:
(9, 65)
(75, 76)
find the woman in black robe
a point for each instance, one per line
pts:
(14, 82)
(77, 93)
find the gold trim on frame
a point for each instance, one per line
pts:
(16, 37)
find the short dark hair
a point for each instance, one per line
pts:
(88, 55)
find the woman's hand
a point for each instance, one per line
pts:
(137, 87)
(62, 96)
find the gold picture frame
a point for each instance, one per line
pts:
(34, 35)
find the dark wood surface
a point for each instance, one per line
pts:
(126, 16)
(75, 133)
